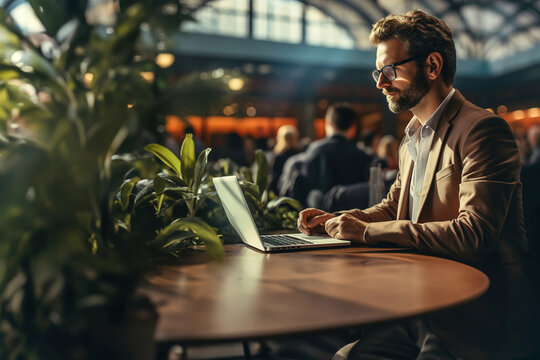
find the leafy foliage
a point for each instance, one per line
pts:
(71, 254)
(174, 197)
(269, 211)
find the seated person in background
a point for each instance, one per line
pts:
(369, 142)
(387, 150)
(457, 195)
(329, 161)
(533, 137)
(287, 145)
(357, 195)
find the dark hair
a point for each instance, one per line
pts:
(342, 116)
(421, 33)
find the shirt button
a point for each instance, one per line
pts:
(418, 193)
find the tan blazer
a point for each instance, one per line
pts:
(470, 211)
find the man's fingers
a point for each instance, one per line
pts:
(332, 227)
(319, 220)
(312, 221)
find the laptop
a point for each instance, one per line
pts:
(241, 219)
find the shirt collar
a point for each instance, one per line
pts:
(432, 122)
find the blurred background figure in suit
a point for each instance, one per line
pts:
(326, 162)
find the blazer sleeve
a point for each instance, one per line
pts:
(489, 178)
(386, 210)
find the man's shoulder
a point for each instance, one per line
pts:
(471, 115)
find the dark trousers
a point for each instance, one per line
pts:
(411, 340)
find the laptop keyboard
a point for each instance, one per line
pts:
(283, 240)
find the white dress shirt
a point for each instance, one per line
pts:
(420, 138)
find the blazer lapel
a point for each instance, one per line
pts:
(437, 145)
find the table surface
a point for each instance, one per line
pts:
(252, 295)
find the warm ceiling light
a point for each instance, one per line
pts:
(534, 112)
(164, 60)
(228, 110)
(236, 84)
(147, 75)
(88, 78)
(519, 114)
(129, 106)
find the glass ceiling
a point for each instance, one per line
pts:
(483, 29)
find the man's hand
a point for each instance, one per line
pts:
(346, 227)
(311, 221)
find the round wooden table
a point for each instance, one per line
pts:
(252, 295)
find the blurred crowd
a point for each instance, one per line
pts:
(329, 173)
(312, 171)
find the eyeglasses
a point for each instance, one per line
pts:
(389, 71)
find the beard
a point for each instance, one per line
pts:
(409, 98)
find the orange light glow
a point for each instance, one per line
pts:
(534, 112)
(164, 60)
(518, 114)
(257, 127)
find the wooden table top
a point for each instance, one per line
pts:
(252, 295)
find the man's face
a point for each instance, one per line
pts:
(410, 86)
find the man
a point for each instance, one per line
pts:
(457, 195)
(327, 162)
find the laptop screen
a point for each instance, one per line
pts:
(237, 210)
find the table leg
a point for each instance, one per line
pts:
(247, 351)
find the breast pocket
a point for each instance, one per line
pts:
(447, 190)
(445, 172)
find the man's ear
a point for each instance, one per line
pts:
(434, 64)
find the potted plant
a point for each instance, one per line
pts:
(69, 270)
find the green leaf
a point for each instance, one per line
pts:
(178, 192)
(214, 247)
(147, 191)
(159, 203)
(200, 168)
(159, 184)
(245, 173)
(250, 188)
(261, 176)
(282, 201)
(187, 156)
(172, 180)
(166, 156)
(125, 191)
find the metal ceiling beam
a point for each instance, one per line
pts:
(429, 8)
(517, 30)
(305, 2)
(341, 23)
(530, 5)
(356, 9)
(474, 47)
